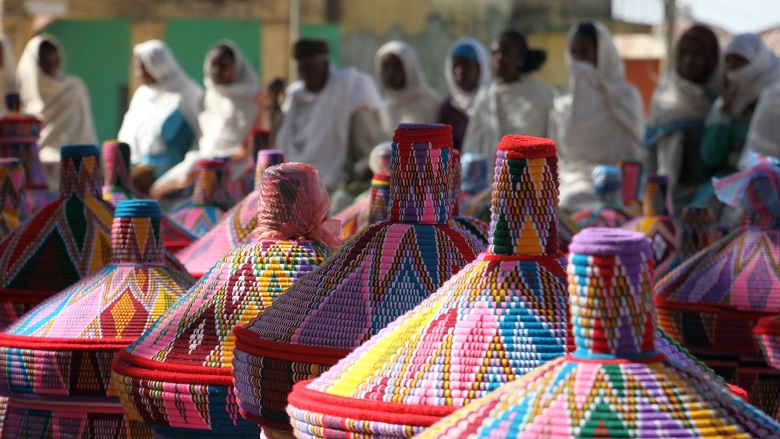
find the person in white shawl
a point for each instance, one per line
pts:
(61, 101)
(750, 67)
(513, 103)
(230, 110)
(161, 124)
(330, 120)
(599, 120)
(679, 106)
(764, 133)
(7, 68)
(408, 97)
(466, 69)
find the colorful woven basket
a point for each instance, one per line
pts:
(657, 223)
(633, 175)
(503, 315)
(13, 204)
(383, 271)
(615, 384)
(56, 359)
(712, 301)
(178, 376)
(60, 244)
(367, 210)
(19, 139)
(117, 187)
(698, 232)
(233, 229)
(478, 207)
(210, 199)
(608, 211)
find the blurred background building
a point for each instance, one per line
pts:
(98, 35)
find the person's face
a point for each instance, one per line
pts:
(49, 61)
(140, 72)
(313, 72)
(392, 72)
(583, 49)
(221, 68)
(505, 59)
(465, 73)
(734, 62)
(691, 62)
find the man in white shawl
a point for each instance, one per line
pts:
(7, 68)
(750, 67)
(230, 110)
(408, 97)
(679, 106)
(61, 101)
(330, 119)
(161, 124)
(514, 102)
(599, 120)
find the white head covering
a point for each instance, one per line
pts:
(417, 101)
(8, 72)
(61, 101)
(460, 99)
(606, 78)
(599, 120)
(763, 69)
(153, 103)
(230, 110)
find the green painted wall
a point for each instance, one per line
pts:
(328, 32)
(98, 51)
(191, 39)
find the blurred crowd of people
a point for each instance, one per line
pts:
(711, 116)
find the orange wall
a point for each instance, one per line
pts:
(644, 73)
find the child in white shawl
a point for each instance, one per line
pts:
(599, 120)
(679, 106)
(161, 124)
(408, 97)
(61, 101)
(229, 111)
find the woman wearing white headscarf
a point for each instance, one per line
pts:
(61, 101)
(161, 124)
(599, 120)
(7, 67)
(229, 111)
(408, 97)
(750, 67)
(675, 125)
(466, 68)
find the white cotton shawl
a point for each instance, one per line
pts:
(417, 102)
(764, 133)
(152, 104)
(460, 99)
(519, 107)
(598, 121)
(749, 81)
(8, 71)
(677, 98)
(229, 112)
(316, 126)
(61, 102)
